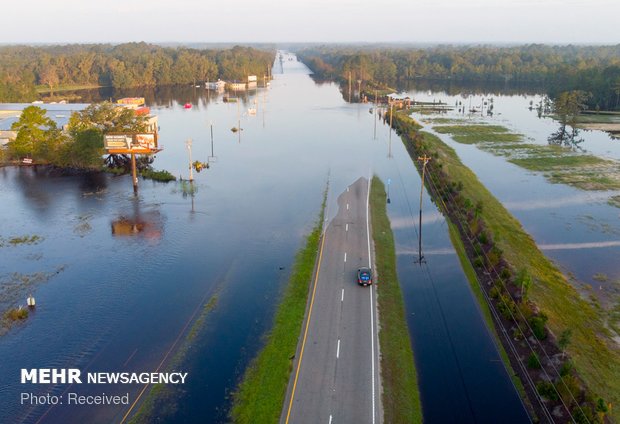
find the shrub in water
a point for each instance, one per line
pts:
(16, 314)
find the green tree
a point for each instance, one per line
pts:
(85, 150)
(567, 107)
(106, 117)
(616, 88)
(33, 128)
(524, 281)
(601, 409)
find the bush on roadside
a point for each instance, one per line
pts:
(537, 323)
(533, 361)
(547, 390)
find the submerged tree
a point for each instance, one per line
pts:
(567, 107)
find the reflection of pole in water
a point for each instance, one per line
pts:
(134, 173)
(424, 160)
(191, 183)
(264, 108)
(188, 143)
(211, 140)
(239, 120)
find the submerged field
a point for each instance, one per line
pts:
(559, 164)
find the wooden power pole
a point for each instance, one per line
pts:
(375, 115)
(390, 135)
(349, 86)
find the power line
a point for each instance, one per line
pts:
(501, 280)
(436, 296)
(504, 331)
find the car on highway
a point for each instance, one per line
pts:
(364, 276)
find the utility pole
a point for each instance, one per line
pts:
(188, 143)
(349, 86)
(375, 115)
(390, 136)
(424, 159)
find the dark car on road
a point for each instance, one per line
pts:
(364, 276)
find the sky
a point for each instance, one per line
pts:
(417, 21)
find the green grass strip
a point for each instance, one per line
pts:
(547, 163)
(474, 134)
(401, 396)
(260, 395)
(471, 129)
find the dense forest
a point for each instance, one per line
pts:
(594, 69)
(23, 68)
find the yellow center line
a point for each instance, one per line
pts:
(303, 343)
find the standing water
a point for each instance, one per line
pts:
(120, 280)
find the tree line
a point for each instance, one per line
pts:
(594, 69)
(23, 68)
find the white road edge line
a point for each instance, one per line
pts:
(342, 296)
(338, 350)
(372, 321)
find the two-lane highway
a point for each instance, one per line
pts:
(336, 374)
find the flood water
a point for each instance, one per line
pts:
(576, 228)
(115, 298)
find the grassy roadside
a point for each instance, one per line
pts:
(401, 397)
(260, 395)
(596, 358)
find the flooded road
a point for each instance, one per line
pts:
(116, 299)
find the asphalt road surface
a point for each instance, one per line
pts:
(335, 376)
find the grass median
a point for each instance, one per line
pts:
(260, 395)
(401, 396)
